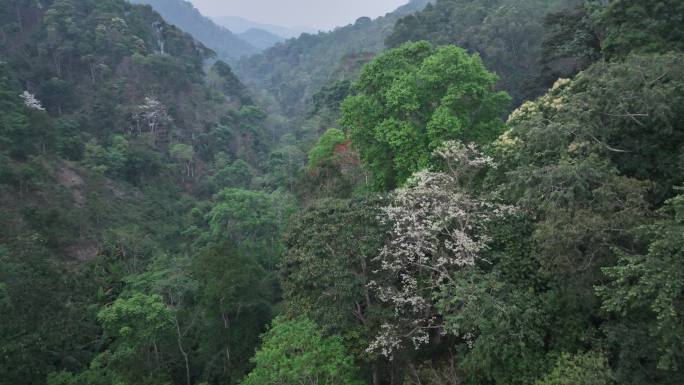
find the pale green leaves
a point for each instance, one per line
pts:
(136, 320)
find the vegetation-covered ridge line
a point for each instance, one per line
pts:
(120, 156)
(496, 198)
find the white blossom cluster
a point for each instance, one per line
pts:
(463, 161)
(150, 116)
(436, 228)
(387, 341)
(31, 101)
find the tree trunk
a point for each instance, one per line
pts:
(156, 354)
(376, 374)
(226, 325)
(19, 21)
(183, 352)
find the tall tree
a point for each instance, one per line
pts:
(437, 229)
(325, 277)
(412, 99)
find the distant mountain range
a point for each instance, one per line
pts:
(241, 25)
(234, 38)
(227, 45)
(260, 38)
(230, 37)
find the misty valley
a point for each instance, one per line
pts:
(458, 192)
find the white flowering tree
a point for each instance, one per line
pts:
(150, 117)
(31, 102)
(437, 228)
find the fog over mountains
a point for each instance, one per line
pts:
(317, 14)
(231, 37)
(240, 25)
(235, 37)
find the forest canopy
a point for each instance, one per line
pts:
(411, 99)
(481, 192)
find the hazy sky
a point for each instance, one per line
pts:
(324, 14)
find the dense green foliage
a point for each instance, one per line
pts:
(590, 369)
(637, 26)
(380, 221)
(295, 352)
(324, 277)
(115, 141)
(324, 150)
(652, 282)
(578, 35)
(412, 99)
(579, 282)
(507, 34)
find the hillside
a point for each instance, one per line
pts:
(462, 192)
(227, 45)
(111, 133)
(294, 71)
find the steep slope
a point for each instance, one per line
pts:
(294, 71)
(227, 45)
(110, 133)
(142, 241)
(120, 94)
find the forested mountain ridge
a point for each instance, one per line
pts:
(227, 45)
(114, 142)
(292, 72)
(421, 226)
